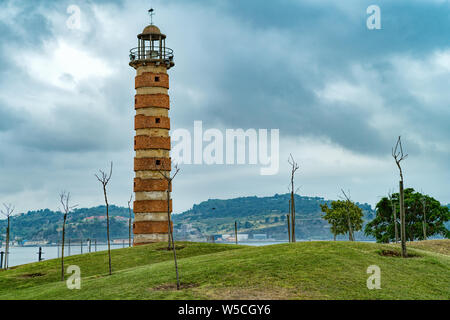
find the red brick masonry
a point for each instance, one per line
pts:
(147, 227)
(149, 79)
(152, 100)
(151, 206)
(146, 142)
(147, 185)
(143, 164)
(145, 122)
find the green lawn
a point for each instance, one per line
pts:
(305, 270)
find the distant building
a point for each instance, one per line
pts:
(95, 217)
(232, 237)
(242, 237)
(119, 241)
(260, 236)
(35, 243)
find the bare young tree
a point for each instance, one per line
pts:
(169, 180)
(399, 156)
(104, 178)
(350, 229)
(294, 168)
(7, 212)
(64, 199)
(129, 220)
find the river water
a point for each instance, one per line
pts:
(24, 255)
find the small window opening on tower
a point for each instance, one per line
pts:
(158, 120)
(158, 162)
(156, 79)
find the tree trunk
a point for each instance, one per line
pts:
(350, 231)
(402, 221)
(7, 245)
(394, 209)
(293, 212)
(171, 235)
(289, 227)
(129, 231)
(424, 224)
(129, 225)
(62, 247)
(168, 219)
(289, 221)
(235, 231)
(107, 229)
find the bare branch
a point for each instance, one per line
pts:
(398, 155)
(294, 164)
(168, 177)
(345, 195)
(64, 198)
(104, 178)
(131, 199)
(397, 152)
(9, 210)
(176, 171)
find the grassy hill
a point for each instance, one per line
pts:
(305, 270)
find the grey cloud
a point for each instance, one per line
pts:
(248, 64)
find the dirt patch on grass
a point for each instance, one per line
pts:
(234, 293)
(392, 253)
(439, 246)
(173, 286)
(176, 247)
(32, 275)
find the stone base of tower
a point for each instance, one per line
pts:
(151, 222)
(142, 239)
(146, 232)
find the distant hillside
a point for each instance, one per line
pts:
(266, 215)
(447, 225)
(81, 223)
(255, 215)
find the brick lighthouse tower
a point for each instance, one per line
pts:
(151, 60)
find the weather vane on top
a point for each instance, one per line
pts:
(151, 13)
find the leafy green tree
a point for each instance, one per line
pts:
(382, 227)
(339, 214)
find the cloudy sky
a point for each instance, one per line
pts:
(340, 95)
